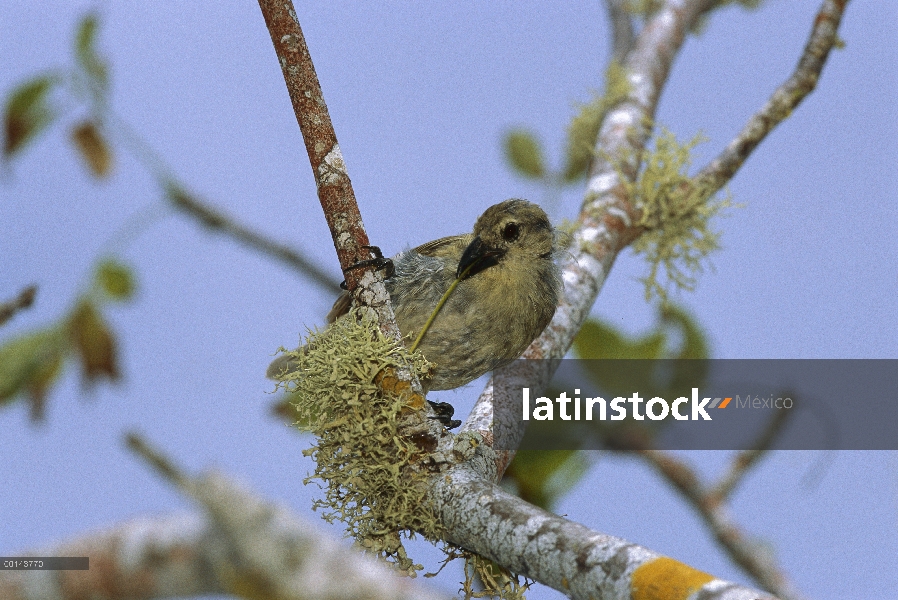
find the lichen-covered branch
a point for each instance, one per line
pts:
(479, 518)
(244, 546)
(567, 556)
(824, 35)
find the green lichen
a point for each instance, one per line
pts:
(348, 394)
(483, 577)
(675, 214)
(584, 127)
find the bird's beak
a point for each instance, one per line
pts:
(478, 256)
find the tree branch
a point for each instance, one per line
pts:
(331, 180)
(213, 218)
(244, 546)
(749, 555)
(567, 556)
(824, 35)
(337, 197)
(622, 34)
(24, 300)
(604, 227)
(746, 459)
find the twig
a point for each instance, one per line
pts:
(749, 555)
(824, 35)
(205, 213)
(217, 220)
(24, 300)
(748, 458)
(156, 459)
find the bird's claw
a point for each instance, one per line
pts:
(444, 412)
(378, 262)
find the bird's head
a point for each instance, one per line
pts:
(514, 228)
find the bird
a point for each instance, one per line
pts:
(507, 294)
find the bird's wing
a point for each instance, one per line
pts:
(340, 308)
(451, 246)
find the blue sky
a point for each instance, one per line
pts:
(420, 96)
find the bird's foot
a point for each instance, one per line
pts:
(378, 262)
(444, 412)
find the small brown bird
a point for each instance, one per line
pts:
(503, 303)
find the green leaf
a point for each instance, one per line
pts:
(695, 341)
(86, 52)
(27, 113)
(542, 477)
(600, 340)
(30, 364)
(115, 279)
(525, 154)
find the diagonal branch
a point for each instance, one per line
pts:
(745, 552)
(824, 35)
(213, 218)
(25, 299)
(746, 459)
(331, 179)
(243, 546)
(336, 194)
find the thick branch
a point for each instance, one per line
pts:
(571, 558)
(622, 34)
(824, 35)
(605, 226)
(245, 547)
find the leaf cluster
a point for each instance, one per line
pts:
(31, 363)
(30, 109)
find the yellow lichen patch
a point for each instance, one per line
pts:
(666, 579)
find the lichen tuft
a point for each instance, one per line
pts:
(346, 391)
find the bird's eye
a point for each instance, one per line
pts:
(511, 232)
